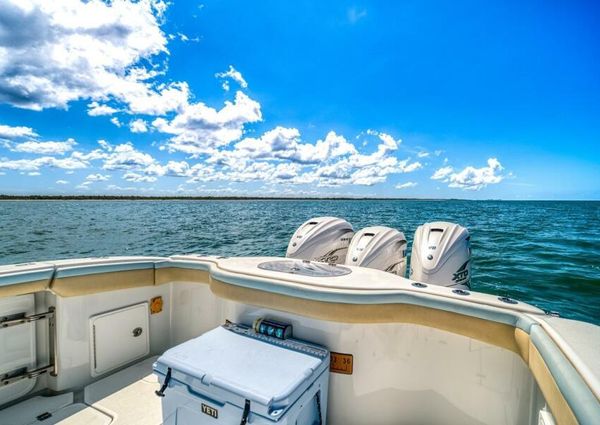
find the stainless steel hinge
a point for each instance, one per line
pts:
(6, 322)
(9, 379)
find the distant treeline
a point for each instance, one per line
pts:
(173, 198)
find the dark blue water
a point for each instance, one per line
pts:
(543, 253)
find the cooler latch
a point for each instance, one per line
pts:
(246, 412)
(161, 392)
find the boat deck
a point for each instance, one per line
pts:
(125, 397)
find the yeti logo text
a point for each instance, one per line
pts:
(210, 411)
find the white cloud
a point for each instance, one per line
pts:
(172, 168)
(279, 156)
(44, 161)
(89, 156)
(83, 186)
(105, 145)
(97, 177)
(234, 75)
(138, 126)
(367, 170)
(198, 128)
(406, 185)
(472, 178)
(116, 121)
(410, 167)
(34, 173)
(95, 109)
(284, 144)
(423, 154)
(10, 133)
(45, 148)
(126, 157)
(62, 182)
(442, 173)
(139, 178)
(57, 52)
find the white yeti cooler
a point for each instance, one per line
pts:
(233, 375)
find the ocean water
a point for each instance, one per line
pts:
(543, 253)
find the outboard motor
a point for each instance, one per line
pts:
(441, 255)
(378, 247)
(323, 239)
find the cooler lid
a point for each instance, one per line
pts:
(248, 367)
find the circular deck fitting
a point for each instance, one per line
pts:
(419, 285)
(305, 268)
(508, 300)
(461, 292)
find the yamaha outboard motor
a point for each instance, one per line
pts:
(441, 255)
(324, 239)
(378, 247)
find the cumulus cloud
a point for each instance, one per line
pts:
(105, 145)
(442, 173)
(364, 169)
(406, 185)
(138, 126)
(472, 178)
(280, 156)
(45, 148)
(95, 109)
(56, 52)
(139, 178)
(283, 143)
(44, 161)
(97, 177)
(126, 157)
(198, 127)
(9, 133)
(234, 75)
(62, 182)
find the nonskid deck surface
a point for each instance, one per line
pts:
(126, 397)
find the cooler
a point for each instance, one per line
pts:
(234, 375)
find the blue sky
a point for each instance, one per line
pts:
(399, 99)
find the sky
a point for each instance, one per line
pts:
(424, 99)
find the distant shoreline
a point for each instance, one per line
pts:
(248, 198)
(199, 198)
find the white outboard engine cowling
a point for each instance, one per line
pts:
(378, 247)
(441, 255)
(323, 239)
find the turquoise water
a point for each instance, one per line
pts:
(543, 253)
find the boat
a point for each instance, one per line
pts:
(336, 337)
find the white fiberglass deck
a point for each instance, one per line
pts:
(125, 397)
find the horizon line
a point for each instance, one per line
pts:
(4, 197)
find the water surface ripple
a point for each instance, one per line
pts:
(544, 253)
